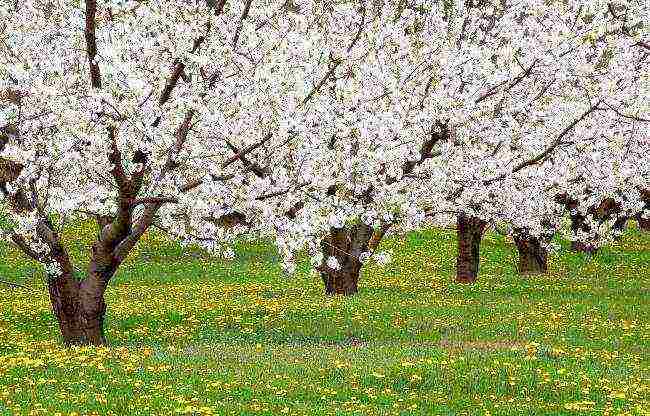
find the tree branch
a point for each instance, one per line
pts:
(249, 166)
(321, 82)
(144, 222)
(358, 35)
(152, 200)
(91, 43)
(20, 242)
(244, 15)
(279, 193)
(645, 120)
(115, 157)
(426, 151)
(644, 45)
(171, 83)
(517, 80)
(550, 148)
(246, 150)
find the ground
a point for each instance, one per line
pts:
(193, 335)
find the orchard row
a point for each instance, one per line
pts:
(322, 125)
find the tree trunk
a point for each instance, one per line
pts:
(583, 247)
(620, 224)
(533, 257)
(343, 281)
(346, 245)
(79, 308)
(378, 235)
(470, 231)
(644, 223)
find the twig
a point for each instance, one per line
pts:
(548, 150)
(12, 284)
(244, 15)
(321, 82)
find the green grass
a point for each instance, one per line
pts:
(190, 332)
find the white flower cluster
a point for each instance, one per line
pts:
(387, 114)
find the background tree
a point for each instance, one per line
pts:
(510, 89)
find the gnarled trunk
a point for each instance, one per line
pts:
(79, 312)
(79, 305)
(343, 281)
(344, 244)
(79, 308)
(470, 231)
(533, 257)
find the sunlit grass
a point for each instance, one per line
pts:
(190, 334)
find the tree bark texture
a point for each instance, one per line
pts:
(346, 245)
(533, 257)
(79, 308)
(470, 232)
(644, 223)
(377, 236)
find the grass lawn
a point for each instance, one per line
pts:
(193, 335)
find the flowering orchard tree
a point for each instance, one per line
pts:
(601, 200)
(137, 113)
(357, 136)
(396, 119)
(455, 107)
(579, 84)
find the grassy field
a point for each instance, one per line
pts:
(193, 335)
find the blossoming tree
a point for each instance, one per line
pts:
(474, 119)
(322, 124)
(135, 113)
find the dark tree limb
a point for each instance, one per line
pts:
(91, 43)
(144, 222)
(322, 82)
(20, 242)
(247, 7)
(548, 150)
(246, 150)
(516, 81)
(426, 151)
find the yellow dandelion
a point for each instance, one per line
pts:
(617, 395)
